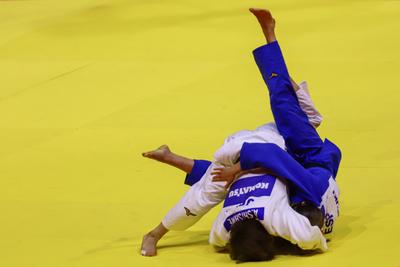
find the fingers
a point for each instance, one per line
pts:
(220, 174)
(217, 175)
(217, 171)
(219, 179)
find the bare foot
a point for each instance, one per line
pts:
(149, 245)
(267, 23)
(159, 154)
(150, 240)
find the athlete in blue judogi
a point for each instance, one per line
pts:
(310, 165)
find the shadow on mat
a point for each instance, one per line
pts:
(352, 222)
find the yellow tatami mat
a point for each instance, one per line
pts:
(88, 85)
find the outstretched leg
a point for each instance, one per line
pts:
(300, 136)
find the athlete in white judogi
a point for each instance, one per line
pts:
(205, 194)
(262, 197)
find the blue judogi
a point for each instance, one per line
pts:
(309, 162)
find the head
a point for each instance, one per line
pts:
(308, 210)
(250, 241)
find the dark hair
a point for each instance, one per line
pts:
(308, 210)
(250, 241)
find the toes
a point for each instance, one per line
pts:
(147, 253)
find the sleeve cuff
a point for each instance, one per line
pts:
(245, 162)
(199, 169)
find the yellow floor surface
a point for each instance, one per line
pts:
(86, 86)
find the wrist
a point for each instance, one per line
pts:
(237, 168)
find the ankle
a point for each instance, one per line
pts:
(269, 35)
(153, 234)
